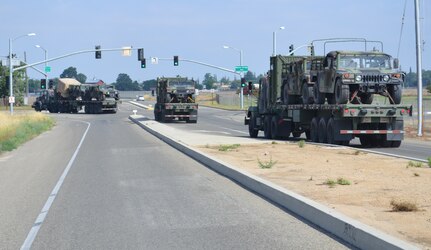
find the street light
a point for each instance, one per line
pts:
(46, 56)
(274, 41)
(240, 73)
(11, 69)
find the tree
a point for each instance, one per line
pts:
(250, 76)
(69, 73)
(124, 82)
(429, 88)
(81, 78)
(209, 81)
(149, 84)
(224, 80)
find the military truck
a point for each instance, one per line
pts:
(175, 100)
(355, 76)
(297, 83)
(70, 96)
(373, 124)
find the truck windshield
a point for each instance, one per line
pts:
(365, 61)
(182, 84)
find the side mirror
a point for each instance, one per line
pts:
(325, 63)
(396, 63)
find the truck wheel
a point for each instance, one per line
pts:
(323, 138)
(307, 134)
(319, 98)
(395, 92)
(307, 94)
(314, 130)
(252, 131)
(274, 128)
(330, 131)
(367, 98)
(296, 134)
(396, 144)
(365, 141)
(267, 127)
(341, 92)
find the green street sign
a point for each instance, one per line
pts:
(47, 69)
(241, 68)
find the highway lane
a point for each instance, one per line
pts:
(27, 176)
(218, 121)
(128, 190)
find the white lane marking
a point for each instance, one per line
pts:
(44, 212)
(238, 131)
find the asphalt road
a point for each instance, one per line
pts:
(216, 121)
(125, 189)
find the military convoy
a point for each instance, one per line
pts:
(292, 99)
(70, 96)
(175, 100)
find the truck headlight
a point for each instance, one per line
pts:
(385, 78)
(358, 78)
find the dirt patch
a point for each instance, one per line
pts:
(364, 185)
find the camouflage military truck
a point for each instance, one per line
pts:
(176, 100)
(297, 84)
(70, 96)
(97, 100)
(355, 76)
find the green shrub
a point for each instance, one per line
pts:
(225, 148)
(267, 164)
(301, 143)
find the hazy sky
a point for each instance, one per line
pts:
(197, 30)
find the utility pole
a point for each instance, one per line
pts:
(419, 67)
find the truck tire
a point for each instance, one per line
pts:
(252, 131)
(314, 130)
(395, 144)
(319, 98)
(296, 134)
(307, 94)
(395, 92)
(274, 128)
(341, 92)
(367, 98)
(365, 141)
(330, 131)
(323, 137)
(267, 127)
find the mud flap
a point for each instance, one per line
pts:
(395, 125)
(342, 125)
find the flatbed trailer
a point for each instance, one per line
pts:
(165, 112)
(374, 125)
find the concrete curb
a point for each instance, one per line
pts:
(347, 229)
(141, 105)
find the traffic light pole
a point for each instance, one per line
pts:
(202, 63)
(70, 54)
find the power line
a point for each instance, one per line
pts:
(402, 28)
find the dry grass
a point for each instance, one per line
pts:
(403, 206)
(16, 129)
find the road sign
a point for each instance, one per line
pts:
(11, 99)
(47, 69)
(241, 68)
(154, 60)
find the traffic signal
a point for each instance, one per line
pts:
(98, 52)
(143, 63)
(243, 83)
(291, 48)
(140, 54)
(51, 84)
(312, 50)
(175, 60)
(250, 86)
(42, 83)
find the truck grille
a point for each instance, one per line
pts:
(372, 78)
